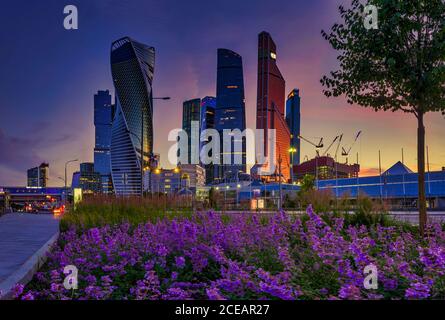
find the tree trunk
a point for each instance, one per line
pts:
(421, 173)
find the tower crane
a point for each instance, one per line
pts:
(316, 145)
(339, 137)
(345, 152)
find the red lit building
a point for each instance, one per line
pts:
(324, 168)
(270, 103)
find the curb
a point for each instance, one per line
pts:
(25, 273)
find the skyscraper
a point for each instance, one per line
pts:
(230, 112)
(38, 176)
(132, 68)
(191, 111)
(294, 123)
(270, 104)
(208, 106)
(103, 117)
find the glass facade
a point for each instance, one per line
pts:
(103, 117)
(38, 176)
(208, 107)
(293, 121)
(132, 68)
(270, 103)
(191, 111)
(230, 112)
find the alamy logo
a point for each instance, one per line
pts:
(71, 21)
(371, 278)
(70, 281)
(208, 147)
(371, 17)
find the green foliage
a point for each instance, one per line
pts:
(101, 211)
(398, 66)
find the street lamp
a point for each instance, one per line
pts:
(292, 150)
(66, 165)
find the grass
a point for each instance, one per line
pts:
(107, 210)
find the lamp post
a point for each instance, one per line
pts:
(292, 150)
(66, 165)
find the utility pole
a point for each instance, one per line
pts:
(66, 164)
(279, 177)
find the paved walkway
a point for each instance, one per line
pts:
(21, 237)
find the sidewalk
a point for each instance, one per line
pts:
(24, 241)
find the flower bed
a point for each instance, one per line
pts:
(211, 256)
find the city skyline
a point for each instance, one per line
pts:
(64, 121)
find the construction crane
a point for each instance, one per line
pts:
(332, 143)
(345, 152)
(316, 145)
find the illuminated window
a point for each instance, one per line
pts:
(273, 55)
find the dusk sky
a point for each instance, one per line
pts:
(49, 76)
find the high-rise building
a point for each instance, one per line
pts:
(208, 106)
(132, 68)
(293, 120)
(87, 179)
(103, 118)
(193, 176)
(270, 105)
(230, 113)
(191, 111)
(38, 176)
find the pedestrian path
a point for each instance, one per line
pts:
(24, 240)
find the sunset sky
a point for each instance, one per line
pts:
(49, 76)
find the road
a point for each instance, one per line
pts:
(22, 235)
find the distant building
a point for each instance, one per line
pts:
(293, 121)
(193, 176)
(103, 118)
(191, 111)
(270, 106)
(87, 179)
(167, 181)
(208, 106)
(132, 69)
(38, 176)
(230, 114)
(324, 168)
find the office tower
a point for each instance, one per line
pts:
(293, 121)
(191, 110)
(208, 106)
(193, 176)
(270, 105)
(87, 179)
(230, 113)
(132, 68)
(38, 176)
(103, 118)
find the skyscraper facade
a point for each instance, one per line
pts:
(270, 105)
(38, 176)
(293, 121)
(132, 69)
(103, 118)
(208, 107)
(191, 111)
(230, 113)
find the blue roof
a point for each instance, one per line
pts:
(398, 168)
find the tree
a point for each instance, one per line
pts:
(399, 66)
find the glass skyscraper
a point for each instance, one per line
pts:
(208, 107)
(230, 111)
(103, 118)
(293, 120)
(132, 69)
(270, 103)
(191, 111)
